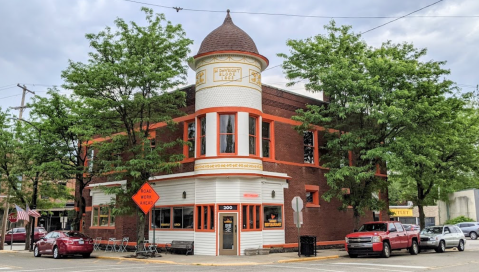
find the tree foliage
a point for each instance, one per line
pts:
(126, 80)
(376, 95)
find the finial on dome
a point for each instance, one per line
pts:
(228, 17)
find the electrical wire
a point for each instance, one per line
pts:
(401, 17)
(305, 16)
(2, 89)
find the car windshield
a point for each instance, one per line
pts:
(432, 230)
(373, 227)
(74, 234)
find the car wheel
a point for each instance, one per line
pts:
(414, 249)
(386, 250)
(460, 247)
(36, 252)
(441, 248)
(86, 255)
(56, 254)
(473, 235)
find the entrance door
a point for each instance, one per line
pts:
(228, 234)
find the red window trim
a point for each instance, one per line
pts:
(314, 189)
(199, 136)
(98, 216)
(219, 134)
(255, 216)
(171, 228)
(201, 218)
(256, 136)
(270, 139)
(186, 139)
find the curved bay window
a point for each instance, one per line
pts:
(227, 134)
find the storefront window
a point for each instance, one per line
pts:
(183, 217)
(251, 217)
(205, 219)
(162, 218)
(273, 216)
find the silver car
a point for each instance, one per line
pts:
(470, 229)
(441, 237)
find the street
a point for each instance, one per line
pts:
(399, 262)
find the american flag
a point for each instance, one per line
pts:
(21, 214)
(32, 213)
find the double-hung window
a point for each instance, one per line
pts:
(202, 135)
(266, 139)
(102, 217)
(227, 134)
(308, 142)
(190, 137)
(253, 135)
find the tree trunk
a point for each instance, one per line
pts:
(4, 222)
(81, 203)
(27, 235)
(422, 217)
(141, 231)
(357, 217)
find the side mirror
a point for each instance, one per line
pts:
(355, 230)
(446, 232)
(392, 230)
(44, 238)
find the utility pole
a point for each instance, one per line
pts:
(22, 106)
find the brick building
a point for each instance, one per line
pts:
(234, 189)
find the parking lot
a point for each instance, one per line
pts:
(399, 262)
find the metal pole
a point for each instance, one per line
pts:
(11, 237)
(137, 241)
(298, 225)
(154, 225)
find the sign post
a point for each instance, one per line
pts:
(12, 217)
(145, 198)
(297, 204)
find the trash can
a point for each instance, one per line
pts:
(307, 245)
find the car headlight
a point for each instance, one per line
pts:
(347, 240)
(376, 239)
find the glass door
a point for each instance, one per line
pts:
(228, 234)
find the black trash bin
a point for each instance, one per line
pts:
(307, 245)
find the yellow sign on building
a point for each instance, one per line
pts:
(401, 212)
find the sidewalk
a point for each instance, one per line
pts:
(322, 254)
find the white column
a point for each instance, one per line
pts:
(211, 134)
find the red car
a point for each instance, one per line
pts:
(61, 243)
(19, 235)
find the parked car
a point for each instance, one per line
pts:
(441, 237)
(61, 243)
(470, 229)
(19, 235)
(411, 227)
(380, 238)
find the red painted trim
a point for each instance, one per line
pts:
(292, 245)
(201, 218)
(218, 133)
(238, 220)
(228, 110)
(233, 52)
(199, 136)
(171, 228)
(102, 228)
(247, 229)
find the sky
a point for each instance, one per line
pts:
(38, 37)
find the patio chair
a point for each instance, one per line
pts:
(97, 243)
(110, 245)
(124, 244)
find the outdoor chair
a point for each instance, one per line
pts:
(97, 243)
(110, 245)
(124, 244)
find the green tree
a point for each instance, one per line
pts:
(126, 80)
(375, 95)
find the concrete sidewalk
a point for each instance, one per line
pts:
(288, 257)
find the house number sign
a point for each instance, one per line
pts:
(228, 207)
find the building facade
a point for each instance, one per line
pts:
(245, 165)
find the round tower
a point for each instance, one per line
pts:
(228, 70)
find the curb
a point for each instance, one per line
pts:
(309, 259)
(133, 259)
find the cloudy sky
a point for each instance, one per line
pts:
(38, 37)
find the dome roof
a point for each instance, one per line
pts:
(228, 37)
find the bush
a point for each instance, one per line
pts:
(459, 219)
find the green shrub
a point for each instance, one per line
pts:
(459, 219)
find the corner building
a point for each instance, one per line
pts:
(246, 164)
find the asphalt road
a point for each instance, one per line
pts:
(451, 260)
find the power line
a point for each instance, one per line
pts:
(2, 89)
(400, 17)
(305, 16)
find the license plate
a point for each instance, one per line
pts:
(81, 242)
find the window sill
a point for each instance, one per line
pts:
(311, 205)
(200, 230)
(250, 230)
(158, 229)
(102, 227)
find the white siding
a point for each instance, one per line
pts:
(205, 243)
(205, 191)
(250, 188)
(251, 239)
(272, 237)
(268, 187)
(243, 134)
(99, 197)
(171, 192)
(228, 190)
(163, 237)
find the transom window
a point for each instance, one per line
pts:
(227, 134)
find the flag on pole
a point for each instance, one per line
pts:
(32, 213)
(21, 214)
